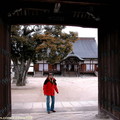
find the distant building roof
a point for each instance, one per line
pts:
(86, 48)
(72, 54)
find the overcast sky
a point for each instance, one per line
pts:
(83, 32)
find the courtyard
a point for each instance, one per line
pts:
(77, 99)
(84, 88)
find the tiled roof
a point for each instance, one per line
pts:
(86, 48)
(72, 54)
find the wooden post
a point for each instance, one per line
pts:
(108, 73)
(5, 80)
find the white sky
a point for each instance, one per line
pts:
(83, 32)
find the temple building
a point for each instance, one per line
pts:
(83, 59)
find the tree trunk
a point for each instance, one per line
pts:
(23, 69)
(15, 70)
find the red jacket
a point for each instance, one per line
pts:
(50, 86)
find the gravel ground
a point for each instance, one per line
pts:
(83, 88)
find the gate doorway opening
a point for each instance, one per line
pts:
(83, 93)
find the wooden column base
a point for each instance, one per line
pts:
(102, 115)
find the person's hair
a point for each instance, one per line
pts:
(50, 74)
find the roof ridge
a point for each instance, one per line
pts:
(86, 38)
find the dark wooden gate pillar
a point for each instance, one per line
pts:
(109, 70)
(5, 81)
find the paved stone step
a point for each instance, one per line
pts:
(80, 115)
(59, 110)
(63, 104)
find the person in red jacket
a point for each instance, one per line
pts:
(49, 88)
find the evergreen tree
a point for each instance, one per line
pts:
(23, 50)
(31, 43)
(57, 44)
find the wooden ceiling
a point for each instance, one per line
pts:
(86, 13)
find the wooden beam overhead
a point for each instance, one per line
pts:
(65, 12)
(80, 2)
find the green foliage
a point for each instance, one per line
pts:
(47, 42)
(56, 44)
(23, 44)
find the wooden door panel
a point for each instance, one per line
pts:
(109, 68)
